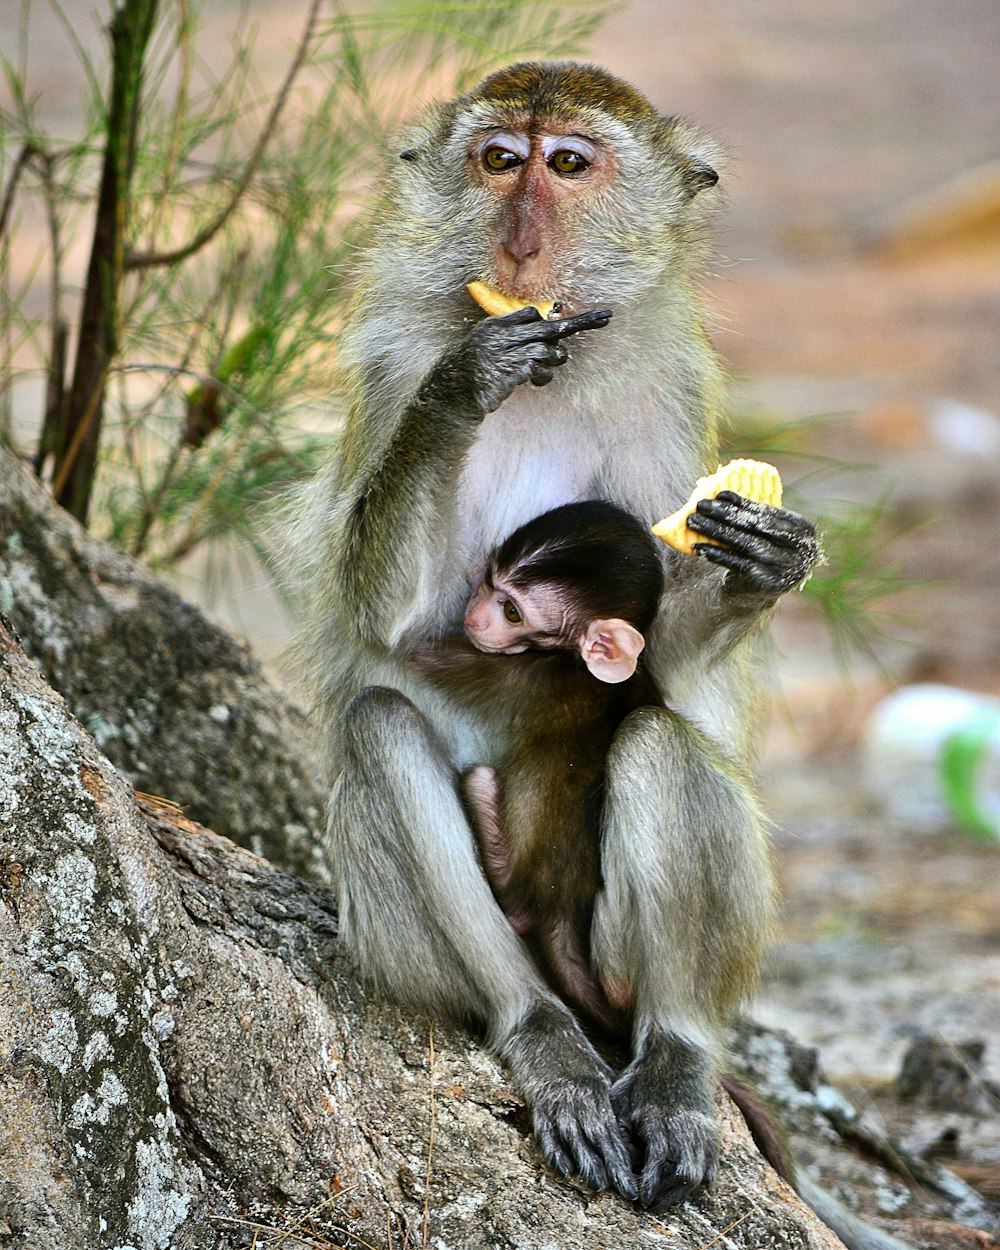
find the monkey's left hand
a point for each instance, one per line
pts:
(768, 550)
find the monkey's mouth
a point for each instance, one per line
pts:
(514, 649)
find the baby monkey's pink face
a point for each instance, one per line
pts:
(503, 621)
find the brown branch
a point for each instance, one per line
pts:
(83, 429)
(55, 388)
(55, 395)
(145, 260)
(97, 342)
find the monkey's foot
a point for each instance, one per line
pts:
(664, 1100)
(568, 1087)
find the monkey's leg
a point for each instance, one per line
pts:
(481, 788)
(418, 914)
(678, 928)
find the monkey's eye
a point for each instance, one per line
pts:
(566, 161)
(498, 159)
(510, 612)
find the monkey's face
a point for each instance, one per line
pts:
(549, 181)
(507, 622)
(537, 178)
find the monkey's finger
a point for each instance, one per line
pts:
(564, 1145)
(759, 530)
(773, 576)
(750, 542)
(549, 356)
(512, 333)
(740, 561)
(777, 524)
(589, 1165)
(658, 1191)
(552, 355)
(681, 1156)
(551, 1147)
(593, 319)
(615, 1156)
(584, 1138)
(760, 543)
(538, 329)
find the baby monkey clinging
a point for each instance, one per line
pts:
(575, 590)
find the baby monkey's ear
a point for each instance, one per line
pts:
(610, 649)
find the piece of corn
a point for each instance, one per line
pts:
(753, 479)
(497, 304)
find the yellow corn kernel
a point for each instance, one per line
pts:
(497, 304)
(753, 479)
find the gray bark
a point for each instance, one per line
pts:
(182, 1042)
(177, 704)
(186, 1060)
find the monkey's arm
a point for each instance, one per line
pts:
(768, 550)
(400, 497)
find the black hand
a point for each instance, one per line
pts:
(768, 550)
(500, 353)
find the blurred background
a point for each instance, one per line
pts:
(855, 299)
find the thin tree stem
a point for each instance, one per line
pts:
(26, 154)
(97, 343)
(145, 260)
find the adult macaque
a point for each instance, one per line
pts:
(558, 182)
(560, 612)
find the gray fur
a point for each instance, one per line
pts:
(445, 452)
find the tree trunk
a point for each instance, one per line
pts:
(178, 705)
(186, 1060)
(183, 1043)
(79, 429)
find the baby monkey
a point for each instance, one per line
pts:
(557, 624)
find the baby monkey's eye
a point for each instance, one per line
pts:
(510, 612)
(498, 159)
(566, 161)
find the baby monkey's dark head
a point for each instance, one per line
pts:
(586, 576)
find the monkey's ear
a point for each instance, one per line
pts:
(610, 649)
(697, 175)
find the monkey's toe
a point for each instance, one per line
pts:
(581, 1137)
(681, 1155)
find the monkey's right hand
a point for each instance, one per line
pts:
(500, 353)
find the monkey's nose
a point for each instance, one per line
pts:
(523, 239)
(521, 248)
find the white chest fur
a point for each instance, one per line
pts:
(524, 461)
